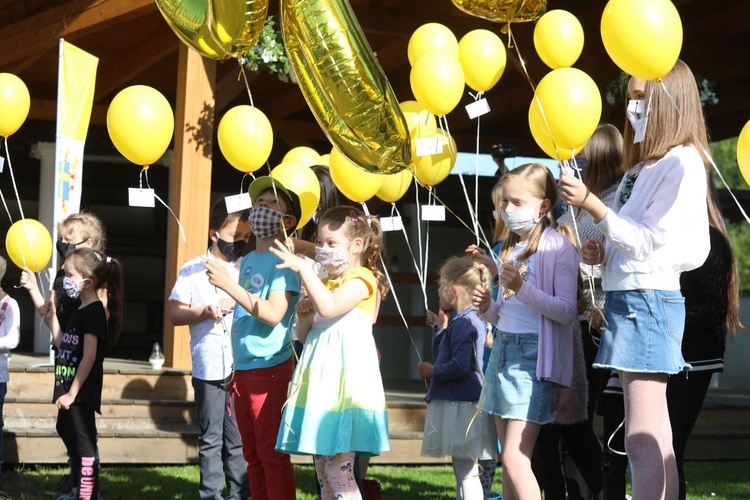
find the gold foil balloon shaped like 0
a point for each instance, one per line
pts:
(504, 11)
(344, 84)
(218, 29)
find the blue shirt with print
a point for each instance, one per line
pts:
(255, 343)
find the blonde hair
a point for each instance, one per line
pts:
(90, 227)
(466, 273)
(668, 127)
(358, 225)
(538, 181)
(3, 267)
(499, 231)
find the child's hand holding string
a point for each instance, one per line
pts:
(592, 252)
(425, 369)
(218, 275)
(64, 401)
(290, 260)
(510, 277)
(481, 298)
(304, 309)
(28, 280)
(47, 310)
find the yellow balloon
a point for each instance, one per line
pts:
(302, 155)
(245, 138)
(431, 36)
(218, 29)
(302, 181)
(140, 123)
(558, 39)
(395, 186)
(437, 82)
(421, 123)
(14, 103)
(325, 160)
(431, 170)
(344, 84)
(29, 244)
(503, 11)
(355, 183)
(572, 106)
(642, 37)
(743, 152)
(482, 57)
(543, 137)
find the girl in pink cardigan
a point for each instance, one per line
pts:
(534, 313)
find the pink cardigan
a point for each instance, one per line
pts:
(555, 301)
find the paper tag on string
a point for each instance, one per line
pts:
(391, 223)
(2, 164)
(478, 108)
(433, 212)
(141, 197)
(238, 202)
(427, 146)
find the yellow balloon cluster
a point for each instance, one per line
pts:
(29, 244)
(558, 39)
(743, 152)
(431, 170)
(140, 123)
(218, 29)
(503, 11)
(344, 84)
(302, 181)
(431, 36)
(245, 138)
(572, 107)
(482, 57)
(15, 102)
(642, 37)
(355, 183)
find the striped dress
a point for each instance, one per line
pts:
(336, 401)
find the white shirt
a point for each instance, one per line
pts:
(662, 229)
(210, 345)
(515, 316)
(10, 320)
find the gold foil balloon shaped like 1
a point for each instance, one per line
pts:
(218, 29)
(504, 11)
(344, 84)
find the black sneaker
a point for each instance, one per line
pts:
(65, 486)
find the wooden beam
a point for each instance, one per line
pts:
(46, 109)
(143, 56)
(190, 182)
(70, 20)
(230, 87)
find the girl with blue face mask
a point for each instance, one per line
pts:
(533, 313)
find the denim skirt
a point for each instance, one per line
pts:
(643, 333)
(511, 389)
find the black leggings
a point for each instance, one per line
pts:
(77, 428)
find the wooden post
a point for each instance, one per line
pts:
(189, 182)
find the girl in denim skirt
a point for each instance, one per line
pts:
(533, 313)
(656, 229)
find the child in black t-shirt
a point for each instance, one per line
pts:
(81, 347)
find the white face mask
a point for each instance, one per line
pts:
(333, 260)
(638, 118)
(521, 221)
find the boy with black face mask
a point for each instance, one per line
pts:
(207, 311)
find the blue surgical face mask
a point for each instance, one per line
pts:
(521, 221)
(71, 287)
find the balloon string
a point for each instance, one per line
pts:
(247, 83)
(472, 214)
(420, 272)
(7, 211)
(411, 253)
(706, 153)
(242, 182)
(476, 171)
(430, 202)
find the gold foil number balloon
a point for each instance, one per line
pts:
(218, 29)
(344, 85)
(504, 11)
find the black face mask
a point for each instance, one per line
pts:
(232, 250)
(63, 248)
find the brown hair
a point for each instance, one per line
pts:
(104, 272)
(716, 220)
(357, 225)
(603, 155)
(89, 225)
(466, 273)
(538, 181)
(668, 127)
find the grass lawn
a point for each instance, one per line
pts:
(706, 480)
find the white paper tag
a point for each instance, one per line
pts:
(2, 164)
(427, 146)
(433, 212)
(238, 202)
(640, 131)
(478, 108)
(141, 197)
(391, 223)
